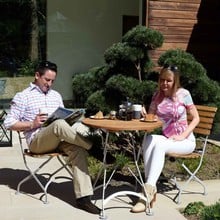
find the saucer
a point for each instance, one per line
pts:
(147, 120)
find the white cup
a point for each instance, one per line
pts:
(136, 109)
(43, 113)
(112, 115)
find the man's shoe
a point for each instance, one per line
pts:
(85, 204)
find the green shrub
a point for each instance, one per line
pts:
(191, 164)
(94, 167)
(104, 88)
(27, 68)
(211, 212)
(194, 208)
(3, 73)
(121, 160)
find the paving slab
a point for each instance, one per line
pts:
(61, 198)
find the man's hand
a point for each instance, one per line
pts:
(39, 120)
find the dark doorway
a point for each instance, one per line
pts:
(204, 43)
(129, 22)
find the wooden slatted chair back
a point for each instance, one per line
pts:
(204, 128)
(207, 115)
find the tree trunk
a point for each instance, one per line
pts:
(34, 53)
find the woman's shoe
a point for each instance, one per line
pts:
(140, 206)
(151, 192)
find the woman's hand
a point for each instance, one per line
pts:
(177, 137)
(143, 111)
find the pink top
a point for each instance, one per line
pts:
(172, 112)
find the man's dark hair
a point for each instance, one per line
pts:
(46, 65)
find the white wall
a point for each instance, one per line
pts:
(78, 33)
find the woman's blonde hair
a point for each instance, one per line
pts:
(167, 70)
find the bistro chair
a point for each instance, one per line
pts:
(5, 135)
(34, 173)
(202, 132)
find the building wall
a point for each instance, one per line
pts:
(175, 19)
(78, 33)
(189, 25)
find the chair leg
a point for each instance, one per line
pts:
(33, 175)
(5, 136)
(64, 166)
(194, 177)
(181, 188)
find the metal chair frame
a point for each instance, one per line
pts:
(5, 135)
(202, 130)
(34, 174)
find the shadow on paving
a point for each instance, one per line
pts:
(11, 178)
(62, 190)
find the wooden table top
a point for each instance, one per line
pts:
(120, 125)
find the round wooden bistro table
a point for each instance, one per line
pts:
(113, 126)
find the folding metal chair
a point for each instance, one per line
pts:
(202, 131)
(34, 172)
(5, 135)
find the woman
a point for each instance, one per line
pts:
(170, 104)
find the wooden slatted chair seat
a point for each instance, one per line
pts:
(186, 156)
(52, 154)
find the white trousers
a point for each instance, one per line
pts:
(155, 147)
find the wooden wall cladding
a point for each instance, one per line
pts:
(192, 25)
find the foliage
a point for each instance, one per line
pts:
(104, 88)
(211, 212)
(121, 160)
(118, 87)
(193, 208)
(3, 73)
(191, 164)
(95, 102)
(81, 91)
(15, 40)
(94, 167)
(27, 68)
(132, 54)
(142, 37)
(193, 77)
(117, 53)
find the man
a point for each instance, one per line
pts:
(24, 116)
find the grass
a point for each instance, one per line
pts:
(198, 211)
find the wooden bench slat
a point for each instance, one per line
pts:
(186, 156)
(52, 154)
